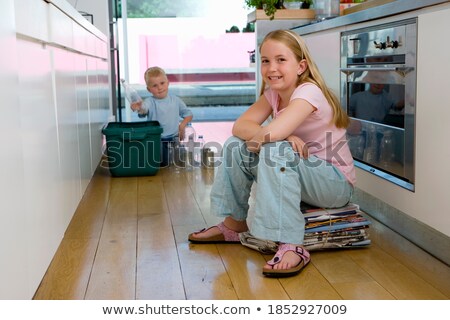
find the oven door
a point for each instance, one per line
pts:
(381, 134)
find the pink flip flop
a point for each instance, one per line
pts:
(227, 236)
(282, 249)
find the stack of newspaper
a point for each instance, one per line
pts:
(335, 228)
(343, 227)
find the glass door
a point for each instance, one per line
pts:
(205, 47)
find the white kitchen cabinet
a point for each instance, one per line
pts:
(13, 246)
(325, 51)
(31, 19)
(55, 99)
(433, 114)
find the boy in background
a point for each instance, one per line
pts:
(165, 108)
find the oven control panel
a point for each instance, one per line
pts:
(385, 41)
(387, 44)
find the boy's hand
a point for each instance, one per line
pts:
(181, 128)
(136, 106)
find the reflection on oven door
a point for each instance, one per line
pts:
(377, 97)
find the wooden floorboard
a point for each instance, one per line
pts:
(114, 270)
(128, 240)
(310, 284)
(204, 274)
(151, 197)
(158, 268)
(420, 262)
(87, 221)
(393, 275)
(68, 275)
(339, 270)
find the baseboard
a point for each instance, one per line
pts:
(422, 235)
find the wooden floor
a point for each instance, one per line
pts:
(128, 240)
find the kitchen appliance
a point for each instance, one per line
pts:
(378, 92)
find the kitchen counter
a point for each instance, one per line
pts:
(383, 11)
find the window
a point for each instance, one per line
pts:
(205, 47)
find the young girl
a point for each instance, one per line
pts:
(301, 155)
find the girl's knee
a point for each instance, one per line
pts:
(233, 141)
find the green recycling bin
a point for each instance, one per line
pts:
(133, 148)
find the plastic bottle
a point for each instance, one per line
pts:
(198, 151)
(175, 154)
(131, 94)
(188, 144)
(189, 133)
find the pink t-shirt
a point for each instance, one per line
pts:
(324, 140)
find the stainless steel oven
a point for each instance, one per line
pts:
(378, 91)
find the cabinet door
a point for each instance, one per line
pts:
(13, 237)
(433, 112)
(325, 51)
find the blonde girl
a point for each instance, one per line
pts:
(301, 155)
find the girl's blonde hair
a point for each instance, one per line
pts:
(153, 72)
(311, 74)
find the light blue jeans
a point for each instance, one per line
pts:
(283, 181)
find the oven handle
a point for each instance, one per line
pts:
(401, 70)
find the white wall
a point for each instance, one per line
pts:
(54, 93)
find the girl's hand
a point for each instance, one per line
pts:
(299, 146)
(253, 146)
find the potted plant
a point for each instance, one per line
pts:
(269, 6)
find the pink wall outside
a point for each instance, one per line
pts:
(227, 51)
